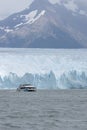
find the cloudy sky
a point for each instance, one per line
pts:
(8, 7)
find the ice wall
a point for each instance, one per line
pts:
(70, 80)
(43, 68)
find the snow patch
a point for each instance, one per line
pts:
(71, 5)
(82, 12)
(33, 19)
(8, 30)
(30, 18)
(55, 1)
(31, 15)
(18, 25)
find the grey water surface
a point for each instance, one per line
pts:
(43, 110)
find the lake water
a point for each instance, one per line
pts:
(43, 110)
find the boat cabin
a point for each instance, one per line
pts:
(26, 87)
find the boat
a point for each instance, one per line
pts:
(26, 87)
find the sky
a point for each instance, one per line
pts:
(8, 7)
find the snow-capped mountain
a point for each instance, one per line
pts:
(45, 25)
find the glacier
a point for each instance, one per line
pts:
(43, 68)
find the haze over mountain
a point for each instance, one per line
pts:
(46, 24)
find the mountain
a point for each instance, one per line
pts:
(44, 25)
